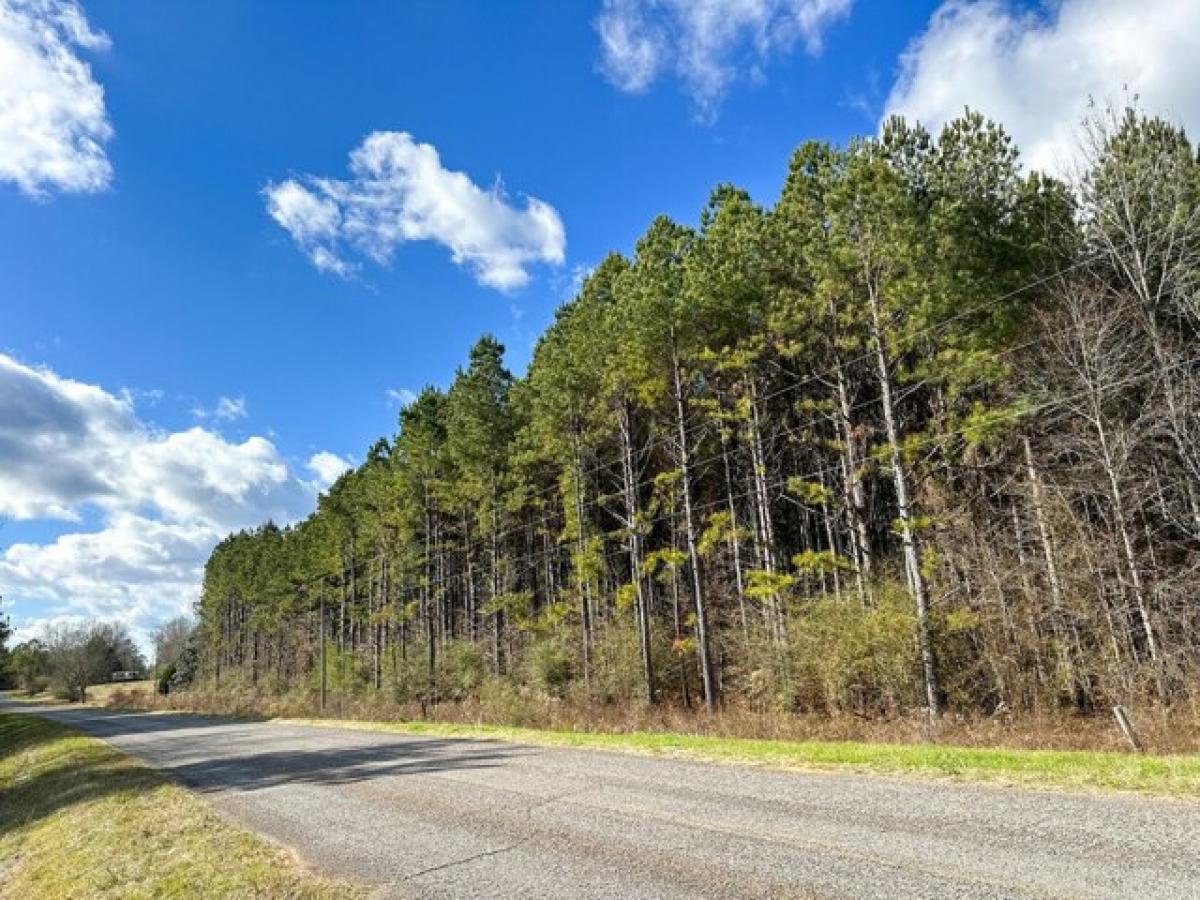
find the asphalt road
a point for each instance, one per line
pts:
(432, 817)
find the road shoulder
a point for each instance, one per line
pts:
(81, 819)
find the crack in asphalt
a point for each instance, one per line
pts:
(523, 839)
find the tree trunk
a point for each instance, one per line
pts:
(427, 606)
(856, 503)
(711, 698)
(762, 505)
(634, 543)
(908, 537)
(1121, 520)
(585, 585)
(735, 542)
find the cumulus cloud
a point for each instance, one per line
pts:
(65, 445)
(1035, 70)
(71, 450)
(53, 121)
(80, 427)
(328, 467)
(399, 191)
(136, 570)
(707, 44)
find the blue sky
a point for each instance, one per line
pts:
(182, 331)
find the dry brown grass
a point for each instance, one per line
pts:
(1162, 730)
(103, 693)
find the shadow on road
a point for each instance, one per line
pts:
(334, 765)
(211, 754)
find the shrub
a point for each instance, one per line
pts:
(164, 679)
(30, 664)
(551, 666)
(462, 671)
(408, 675)
(187, 667)
(62, 691)
(616, 673)
(854, 658)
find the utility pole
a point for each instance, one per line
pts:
(322, 631)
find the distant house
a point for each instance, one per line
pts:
(125, 676)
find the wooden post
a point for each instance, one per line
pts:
(1123, 722)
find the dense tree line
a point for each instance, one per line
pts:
(924, 433)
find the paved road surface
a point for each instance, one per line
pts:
(432, 817)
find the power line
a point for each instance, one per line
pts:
(853, 360)
(867, 355)
(916, 443)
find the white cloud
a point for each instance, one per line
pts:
(401, 396)
(634, 45)
(53, 122)
(197, 475)
(70, 449)
(1034, 71)
(399, 191)
(66, 445)
(135, 570)
(580, 272)
(707, 44)
(230, 408)
(227, 409)
(307, 217)
(328, 467)
(82, 428)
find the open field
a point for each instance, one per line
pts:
(79, 819)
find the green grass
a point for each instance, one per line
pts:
(79, 819)
(1173, 776)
